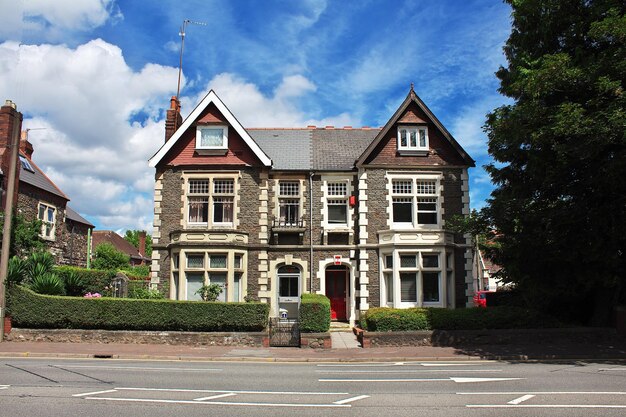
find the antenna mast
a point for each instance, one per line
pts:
(182, 47)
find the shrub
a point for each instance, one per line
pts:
(144, 293)
(210, 292)
(30, 310)
(74, 284)
(37, 264)
(314, 313)
(15, 271)
(47, 283)
(137, 271)
(107, 257)
(501, 317)
(94, 280)
(394, 319)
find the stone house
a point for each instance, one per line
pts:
(64, 231)
(357, 214)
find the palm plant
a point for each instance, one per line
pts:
(47, 283)
(15, 271)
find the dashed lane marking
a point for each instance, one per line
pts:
(94, 393)
(521, 399)
(459, 380)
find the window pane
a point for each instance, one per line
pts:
(427, 211)
(422, 133)
(42, 211)
(289, 212)
(50, 214)
(430, 282)
(388, 261)
(217, 261)
(195, 260)
(427, 218)
(224, 186)
(430, 261)
(337, 213)
(198, 209)
(198, 186)
(219, 279)
(413, 139)
(389, 288)
(222, 210)
(288, 286)
(403, 141)
(211, 137)
(408, 261)
(402, 187)
(175, 289)
(426, 187)
(408, 286)
(289, 188)
(338, 189)
(195, 281)
(237, 290)
(237, 261)
(402, 210)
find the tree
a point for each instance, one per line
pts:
(107, 257)
(25, 237)
(559, 205)
(132, 237)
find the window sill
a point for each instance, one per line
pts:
(413, 152)
(211, 151)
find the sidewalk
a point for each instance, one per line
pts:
(537, 352)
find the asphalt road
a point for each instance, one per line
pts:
(41, 387)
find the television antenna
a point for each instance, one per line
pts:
(182, 47)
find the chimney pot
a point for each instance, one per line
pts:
(11, 104)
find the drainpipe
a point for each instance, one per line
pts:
(311, 232)
(89, 248)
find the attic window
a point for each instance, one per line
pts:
(26, 165)
(212, 138)
(413, 140)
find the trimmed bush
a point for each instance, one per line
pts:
(314, 313)
(411, 319)
(396, 319)
(94, 280)
(30, 310)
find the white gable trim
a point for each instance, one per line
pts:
(211, 97)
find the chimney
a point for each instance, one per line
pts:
(173, 119)
(141, 236)
(25, 146)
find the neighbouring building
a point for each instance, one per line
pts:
(64, 231)
(137, 256)
(357, 214)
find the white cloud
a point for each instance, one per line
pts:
(51, 20)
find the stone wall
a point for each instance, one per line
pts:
(316, 340)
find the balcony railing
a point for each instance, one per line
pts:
(278, 223)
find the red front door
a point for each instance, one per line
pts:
(336, 292)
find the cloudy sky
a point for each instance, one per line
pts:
(93, 78)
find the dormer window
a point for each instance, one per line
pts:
(212, 138)
(412, 139)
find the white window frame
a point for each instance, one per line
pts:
(211, 199)
(45, 222)
(409, 147)
(222, 146)
(415, 196)
(334, 198)
(289, 199)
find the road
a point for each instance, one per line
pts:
(105, 387)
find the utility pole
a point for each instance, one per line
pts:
(14, 149)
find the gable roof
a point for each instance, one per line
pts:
(71, 214)
(37, 178)
(275, 141)
(211, 97)
(413, 98)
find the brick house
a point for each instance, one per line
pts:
(136, 256)
(64, 231)
(356, 214)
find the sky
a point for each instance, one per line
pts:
(94, 78)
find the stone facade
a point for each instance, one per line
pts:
(283, 226)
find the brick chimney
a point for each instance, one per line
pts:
(173, 120)
(25, 146)
(141, 236)
(10, 121)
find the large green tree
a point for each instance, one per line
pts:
(559, 205)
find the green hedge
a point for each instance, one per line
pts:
(94, 280)
(30, 310)
(314, 313)
(411, 319)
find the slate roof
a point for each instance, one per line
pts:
(74, 216)
(38, 178)
(289, 149)
(313, 149)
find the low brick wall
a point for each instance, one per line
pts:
(252, 339)
(316, 340)
(489, 337)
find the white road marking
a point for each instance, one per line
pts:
(384, 364)
(544, 406)
(94, 393)
(135, 368)
(612, 369)
(545, 392)
(521, 399)
(214, 397)
(412, 371)
(144, 400)
(4, 386)
(231, 391)
(459, 380)
(456, 364)
(349, 400)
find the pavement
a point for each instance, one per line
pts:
(344, 351)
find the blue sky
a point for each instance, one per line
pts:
(97, 75)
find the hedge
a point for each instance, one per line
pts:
(95, 280)
(410, 319)
(314, 313)
(31, 310)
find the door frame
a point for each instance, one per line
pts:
(348, 294)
